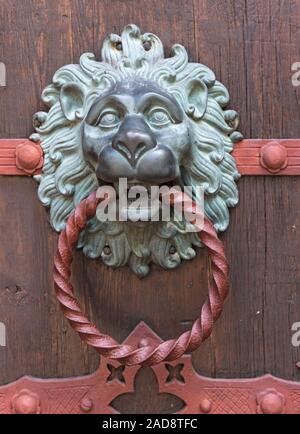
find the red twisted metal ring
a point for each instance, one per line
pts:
(146, 355)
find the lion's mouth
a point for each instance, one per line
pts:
(137, 201)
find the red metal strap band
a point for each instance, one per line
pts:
(253, 157)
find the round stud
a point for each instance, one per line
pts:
(143, 343)
(26, 402)
(270, 402)
(29, 157)
(86, 405)
(205, 405)
(273, 157)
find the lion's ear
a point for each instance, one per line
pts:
(197, 97)
(72, 101)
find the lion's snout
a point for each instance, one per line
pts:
(155, 166)
(133, 139)
(135, 154)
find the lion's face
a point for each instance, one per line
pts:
(137, 131)
(151, 119)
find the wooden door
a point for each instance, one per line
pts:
(251, 46)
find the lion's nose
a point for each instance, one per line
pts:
(133, 144)
(133, 139)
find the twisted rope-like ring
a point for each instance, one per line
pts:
(149, 354)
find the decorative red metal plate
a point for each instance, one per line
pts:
(95, 393)
(20, 157)
(253, 157)
(268, 157)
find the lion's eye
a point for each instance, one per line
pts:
(159, 118)
(109, 120)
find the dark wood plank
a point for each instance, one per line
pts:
(253, 55)
(281, 298)
(40, 341)
(251, 46)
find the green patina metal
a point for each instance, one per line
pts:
(207, 134)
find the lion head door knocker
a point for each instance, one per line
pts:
(153, 121)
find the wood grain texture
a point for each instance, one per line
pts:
(251, 46)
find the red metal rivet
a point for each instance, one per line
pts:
(26, 402)
(86, 405)
(273, 157)
(143, 343)
(205, 406)
(270, 402)
(29, 157)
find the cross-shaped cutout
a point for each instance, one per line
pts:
(116, 373)
(146, 397)
(175, 373)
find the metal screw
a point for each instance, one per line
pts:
(147, 45)
(172, 250)
(106, 250)
(86, 405)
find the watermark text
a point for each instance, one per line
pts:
(2, 335)
(296, 335)
(140, 203)
(2, 75)
(296, 74)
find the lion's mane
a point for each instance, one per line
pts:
(67, 178)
